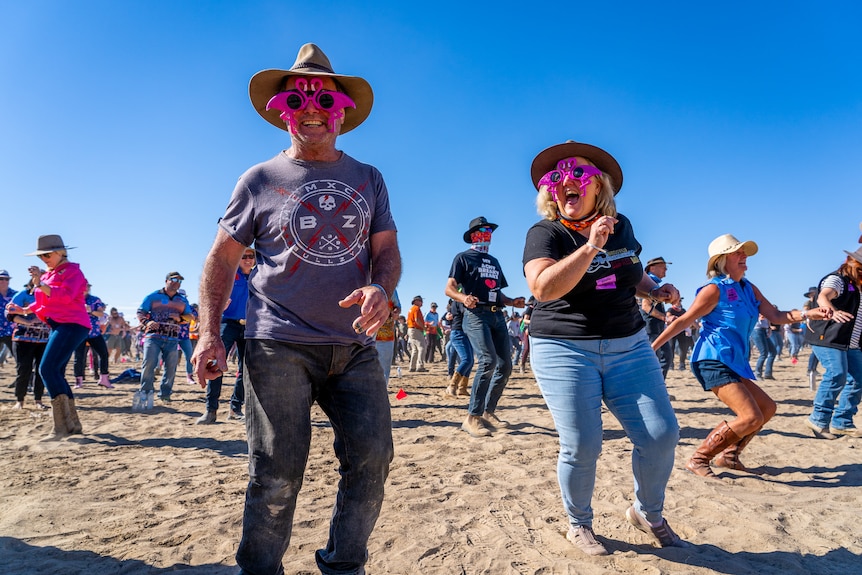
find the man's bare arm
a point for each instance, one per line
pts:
(209, 358)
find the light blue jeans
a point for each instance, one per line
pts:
(836, 385)
(385, 353)
(167, 348)
(575, 376)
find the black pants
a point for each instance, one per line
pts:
(29, 358)
(100, 351)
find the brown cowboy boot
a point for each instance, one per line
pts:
(59, 410)
(452, 388)
(717, 441)
(462, 386)
(729, 458)
(72, 417)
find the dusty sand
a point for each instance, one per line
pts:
(153, 493)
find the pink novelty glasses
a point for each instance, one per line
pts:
(569, 167)
(291, 101)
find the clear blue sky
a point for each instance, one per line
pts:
(126, 124)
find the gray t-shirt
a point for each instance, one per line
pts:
(310, 223)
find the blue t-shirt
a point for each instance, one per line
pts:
(725, 331)
(167, 311)
(238, 297)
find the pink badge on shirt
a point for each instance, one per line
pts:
(732, 295)
(607, 282)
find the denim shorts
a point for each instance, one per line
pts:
(711, 374)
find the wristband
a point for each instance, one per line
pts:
(381, 288)
(597, 248)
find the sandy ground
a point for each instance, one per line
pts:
(154, 493)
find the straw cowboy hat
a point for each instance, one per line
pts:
(311, 61)
(477, 223)
(548, 158)
(48, 244)
(727, 244)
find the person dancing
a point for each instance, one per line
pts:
(729, 305)
(587, 338)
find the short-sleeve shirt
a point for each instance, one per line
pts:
(95, 321)
(479, 275)
(6, 326)
(310, 224)
(36, 333)
(163, 309)
(600, 306)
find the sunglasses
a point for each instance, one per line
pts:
(569, 167)
(291, 101)
(175, 280)
(46, 256)
(248, 257)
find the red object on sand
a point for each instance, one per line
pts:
(401, 394)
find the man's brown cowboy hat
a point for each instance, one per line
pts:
(548, 158)
(311, 61)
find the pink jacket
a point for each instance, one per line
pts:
(66, 302)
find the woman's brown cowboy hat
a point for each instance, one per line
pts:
(49, 243)
(548, 158)
(311, 61)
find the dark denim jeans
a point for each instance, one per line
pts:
(459, 345)
(231, 333)
(282, 382)
(62, 343)
(489, 337)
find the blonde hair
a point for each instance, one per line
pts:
(605, 204)
(718, 268)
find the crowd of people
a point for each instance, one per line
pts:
(599, 328)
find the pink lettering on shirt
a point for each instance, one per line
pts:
(607, 282)
(732, 295)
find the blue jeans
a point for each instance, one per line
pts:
(62, 343)
(188, 349)
(459, 346)
(765, 351)
(385, 353)
(777, 339)
(231, 333)
(489, 337)
(167, 348)
(574, 377)
(282, 382)
(838, 364)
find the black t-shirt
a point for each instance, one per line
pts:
(479, 275)
(457, 310)
(602, 305)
